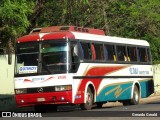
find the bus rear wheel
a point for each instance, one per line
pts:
(135, 99)
(88, 100)
(136, 96)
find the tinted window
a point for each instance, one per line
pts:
(87, 51)
(110, 53)
(121, 53)
(54, 57)
(74, 56)
(142, 55)
(132, 54)
(149, 54)
(99, 51)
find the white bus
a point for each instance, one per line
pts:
(62, 65)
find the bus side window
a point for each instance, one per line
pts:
(132, 54)
(149, 55)
(99, 51)
(121, 53)
(93, 52)
(76, 55)
(77, 50)
(142, 55)
(109, 51)
(87, 50)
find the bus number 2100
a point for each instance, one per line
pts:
(133, 70)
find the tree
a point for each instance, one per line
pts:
(14, 21)
(146, 16)
(138, 19)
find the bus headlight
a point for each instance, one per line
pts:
(20, 91)
(63, 88)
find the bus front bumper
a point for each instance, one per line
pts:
(64, 97)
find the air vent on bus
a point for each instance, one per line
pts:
(68, 28)
(36, 30)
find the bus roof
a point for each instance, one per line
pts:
(51, 33)
(110, 39)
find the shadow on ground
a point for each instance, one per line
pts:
(7, 102)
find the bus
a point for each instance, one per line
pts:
(69, 65)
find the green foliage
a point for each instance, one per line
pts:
(14, 21)
(138, 19)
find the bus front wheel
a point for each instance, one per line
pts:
(88, 100)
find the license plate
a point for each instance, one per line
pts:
(40, 99)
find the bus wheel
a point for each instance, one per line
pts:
(136, 96)
(88, 100)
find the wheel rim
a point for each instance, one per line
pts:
(136, 96)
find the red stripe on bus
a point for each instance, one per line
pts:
(96, 71)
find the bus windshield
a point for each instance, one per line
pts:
(47, 57)
(54, 57)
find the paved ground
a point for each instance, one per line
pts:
(150, 99)
(12, 106)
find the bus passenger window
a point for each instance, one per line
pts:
(132, 54)
(93, 52)
(87, 50)
(76, 55)
(109, 52)
(142, 55)
(149, 55)
(99, 51)
(121, 53)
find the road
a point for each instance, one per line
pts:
(147, 109)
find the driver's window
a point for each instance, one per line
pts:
(74, 56)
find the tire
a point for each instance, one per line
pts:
(88, 100)
(136, 96)
(135, 99)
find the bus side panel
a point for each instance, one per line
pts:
(79, 95)
(115, 92)
(95, 71)
(147, 88)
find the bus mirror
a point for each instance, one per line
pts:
(79, 51)
(9, 57)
